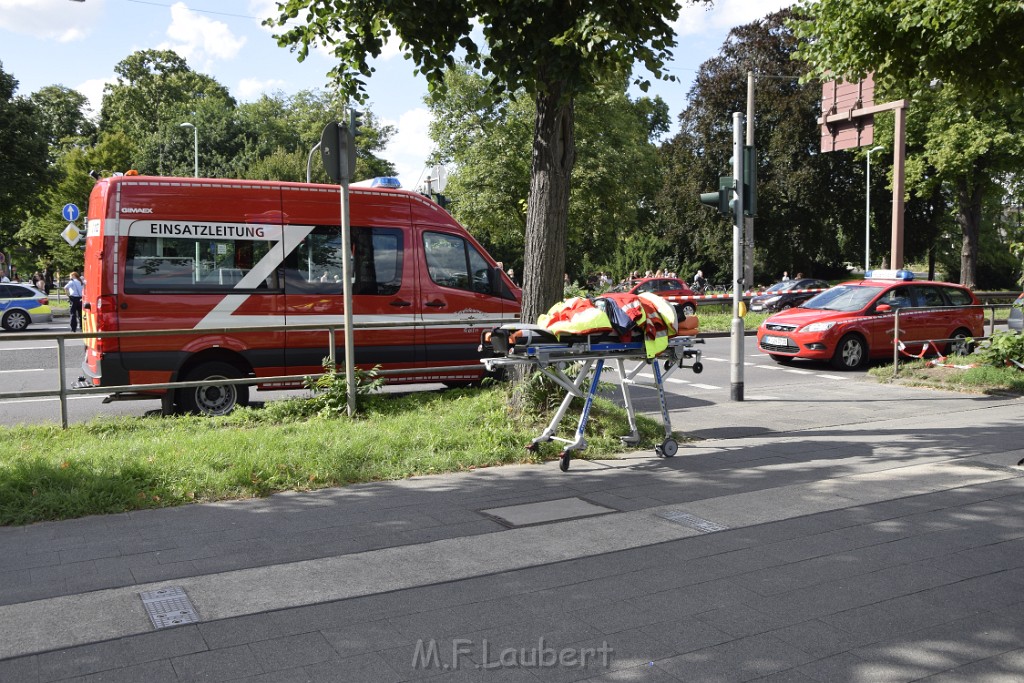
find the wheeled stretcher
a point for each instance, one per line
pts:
(536, 346)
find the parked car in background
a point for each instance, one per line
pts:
(854, 321)
(22, 305)
(788, 294)
(1015, 321)
(669, 288)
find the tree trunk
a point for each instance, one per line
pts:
(547, 212)
(969, 195)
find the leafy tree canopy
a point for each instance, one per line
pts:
(524, 46)
(977, 46)
(62, 111)
(23, 156)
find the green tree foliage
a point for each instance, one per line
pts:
(552, 53)
(976, 46)
(804, 221)
(39, 234)
(23, 158)
(614, 179)
(960, 66)
(280, 130)
(63, 115)
(155, 92)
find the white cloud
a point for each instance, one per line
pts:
(93, 90)
(199, 39)
(411, 145)
(57, 20)
(251, 88)
(725, 14)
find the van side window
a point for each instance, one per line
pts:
(185, 264)
(454, 262)
(315, 266)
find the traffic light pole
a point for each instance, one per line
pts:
(736, 375)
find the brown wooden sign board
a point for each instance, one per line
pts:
(839, 101)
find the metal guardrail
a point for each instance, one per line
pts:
(62, 391)
(991, 320)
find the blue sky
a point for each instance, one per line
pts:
(77, 44)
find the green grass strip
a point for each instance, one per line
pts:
(117, 465)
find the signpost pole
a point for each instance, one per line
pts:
(736, 387)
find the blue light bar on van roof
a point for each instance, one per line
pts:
(901, 274)
(380, 181)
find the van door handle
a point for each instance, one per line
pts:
(398, 303)
(436, 304)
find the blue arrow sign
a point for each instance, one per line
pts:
(70, 212)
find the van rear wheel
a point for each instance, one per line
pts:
(212, 399)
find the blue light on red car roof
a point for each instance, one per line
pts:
(901, 274)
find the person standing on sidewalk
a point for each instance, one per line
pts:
(75, 289)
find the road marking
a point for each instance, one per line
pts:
(26, 370)
(26, 348)
(771, 367)
(677, 381)
(798, 372)
(705, 386)
(53, 399)
(714, 360)
(838, 377)
(762, 398)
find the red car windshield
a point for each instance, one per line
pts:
(844, 298)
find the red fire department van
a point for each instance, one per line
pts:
(176, 253)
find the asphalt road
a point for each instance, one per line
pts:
(27, 365)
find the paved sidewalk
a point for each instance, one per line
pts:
(871, 533)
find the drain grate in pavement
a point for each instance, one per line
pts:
(169, 607)
(705, 526)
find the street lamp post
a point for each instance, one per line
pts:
(867, 214)
(196, 132)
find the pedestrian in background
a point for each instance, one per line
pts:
(785, 276)
(75, 288)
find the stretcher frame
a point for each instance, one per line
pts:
(553, 359)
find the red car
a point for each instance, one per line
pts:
(854, 321)
(669, 288)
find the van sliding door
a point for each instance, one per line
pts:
(383, 287)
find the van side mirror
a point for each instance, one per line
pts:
(883, 308)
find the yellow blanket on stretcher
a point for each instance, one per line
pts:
(625, 316)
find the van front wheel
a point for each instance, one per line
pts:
(212, 399)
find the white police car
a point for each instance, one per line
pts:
(22, 305)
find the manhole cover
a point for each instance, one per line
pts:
(169, 607)
(705, 526)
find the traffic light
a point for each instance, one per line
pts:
(749, 181)
(723, 198)
(355, 122)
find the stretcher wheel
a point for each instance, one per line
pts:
(667, 448)
(563, 462)
(698, 368)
